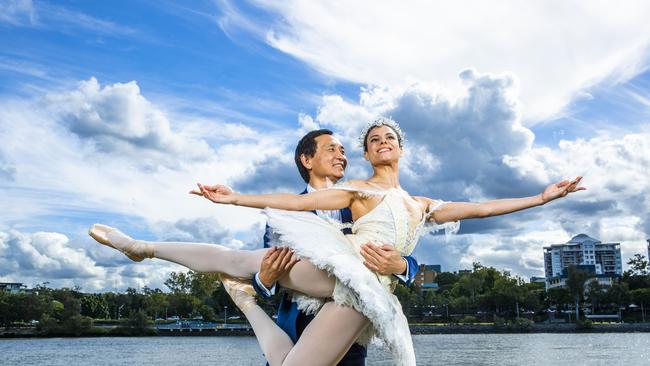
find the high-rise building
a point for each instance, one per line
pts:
(13, 287)
(592, 255)
(425, 279)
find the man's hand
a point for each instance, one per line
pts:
(275, 264)
(385, 259)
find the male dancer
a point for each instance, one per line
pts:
(321, 161)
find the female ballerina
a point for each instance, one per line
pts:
(382, 212)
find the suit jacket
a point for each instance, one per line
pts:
(294, 321)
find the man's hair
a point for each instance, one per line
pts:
(307, 146)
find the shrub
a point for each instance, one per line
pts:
(469, 320)
(584, 324)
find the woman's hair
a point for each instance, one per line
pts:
(381, 121)
(307, 146)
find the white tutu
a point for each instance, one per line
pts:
(393, 221)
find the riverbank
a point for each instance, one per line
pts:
(28, 332)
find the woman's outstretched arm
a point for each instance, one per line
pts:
(454, 211)
(327, 199)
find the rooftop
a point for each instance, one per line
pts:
(582, 238)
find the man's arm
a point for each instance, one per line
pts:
(386, 260)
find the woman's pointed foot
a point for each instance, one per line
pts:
(241, 292)
(134, 249)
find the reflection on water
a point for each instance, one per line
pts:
(460, 349)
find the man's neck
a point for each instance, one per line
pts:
(321, 182)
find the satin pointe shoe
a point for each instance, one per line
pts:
(112, 237)
(241, 292)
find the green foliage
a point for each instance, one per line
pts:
(469, 320)
(638, 265)
(76, 325)
(584, 324)
(482, 295)
(522, 324)
(207, 313)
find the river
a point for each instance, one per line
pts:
(455, 349)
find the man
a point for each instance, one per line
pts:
(321, 161)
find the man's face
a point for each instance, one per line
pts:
(329, 160)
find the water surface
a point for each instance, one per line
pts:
(444, 349)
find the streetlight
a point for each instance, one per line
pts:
(225, 315)
(447, 311)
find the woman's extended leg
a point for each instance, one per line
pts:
(195, 256)
(303, 277)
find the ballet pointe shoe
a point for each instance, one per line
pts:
(241, 292)
(111, 237)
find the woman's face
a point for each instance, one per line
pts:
(383, 145)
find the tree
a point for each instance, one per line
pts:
(156, 303)
(618, 294)
(638, 265)
(94, 306)
(595, 294)
(642, 297)
(576, 284)
(179, 282)
(558, 297)
(471, 284)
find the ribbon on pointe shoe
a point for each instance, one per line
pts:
(241, 292)
(138, 251)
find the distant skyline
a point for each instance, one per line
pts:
(111, 111)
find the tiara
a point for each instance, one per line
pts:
(382, 121)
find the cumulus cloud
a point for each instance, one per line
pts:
(556, 51)
(472, 146)
(456, 144)
(199, 230)
(117, 118)
(109, 149)
(44, 255)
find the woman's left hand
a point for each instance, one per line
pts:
(217, 194)
(561, 189)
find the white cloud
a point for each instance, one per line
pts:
(554, 49)
(43, 15)
(117, 118)
(459, 139)
(471, 146)
(44, 256)
(108, 149)
(17, 12)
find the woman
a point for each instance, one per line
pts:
(382, 212)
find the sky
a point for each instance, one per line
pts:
(111, 112)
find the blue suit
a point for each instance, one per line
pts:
(294, 321)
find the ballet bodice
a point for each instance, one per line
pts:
(398, 219)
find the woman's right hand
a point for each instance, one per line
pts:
(218, 193)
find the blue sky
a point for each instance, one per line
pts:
(109, 112)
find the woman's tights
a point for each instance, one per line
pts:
(325, 340)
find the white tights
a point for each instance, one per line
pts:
(325, 340)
